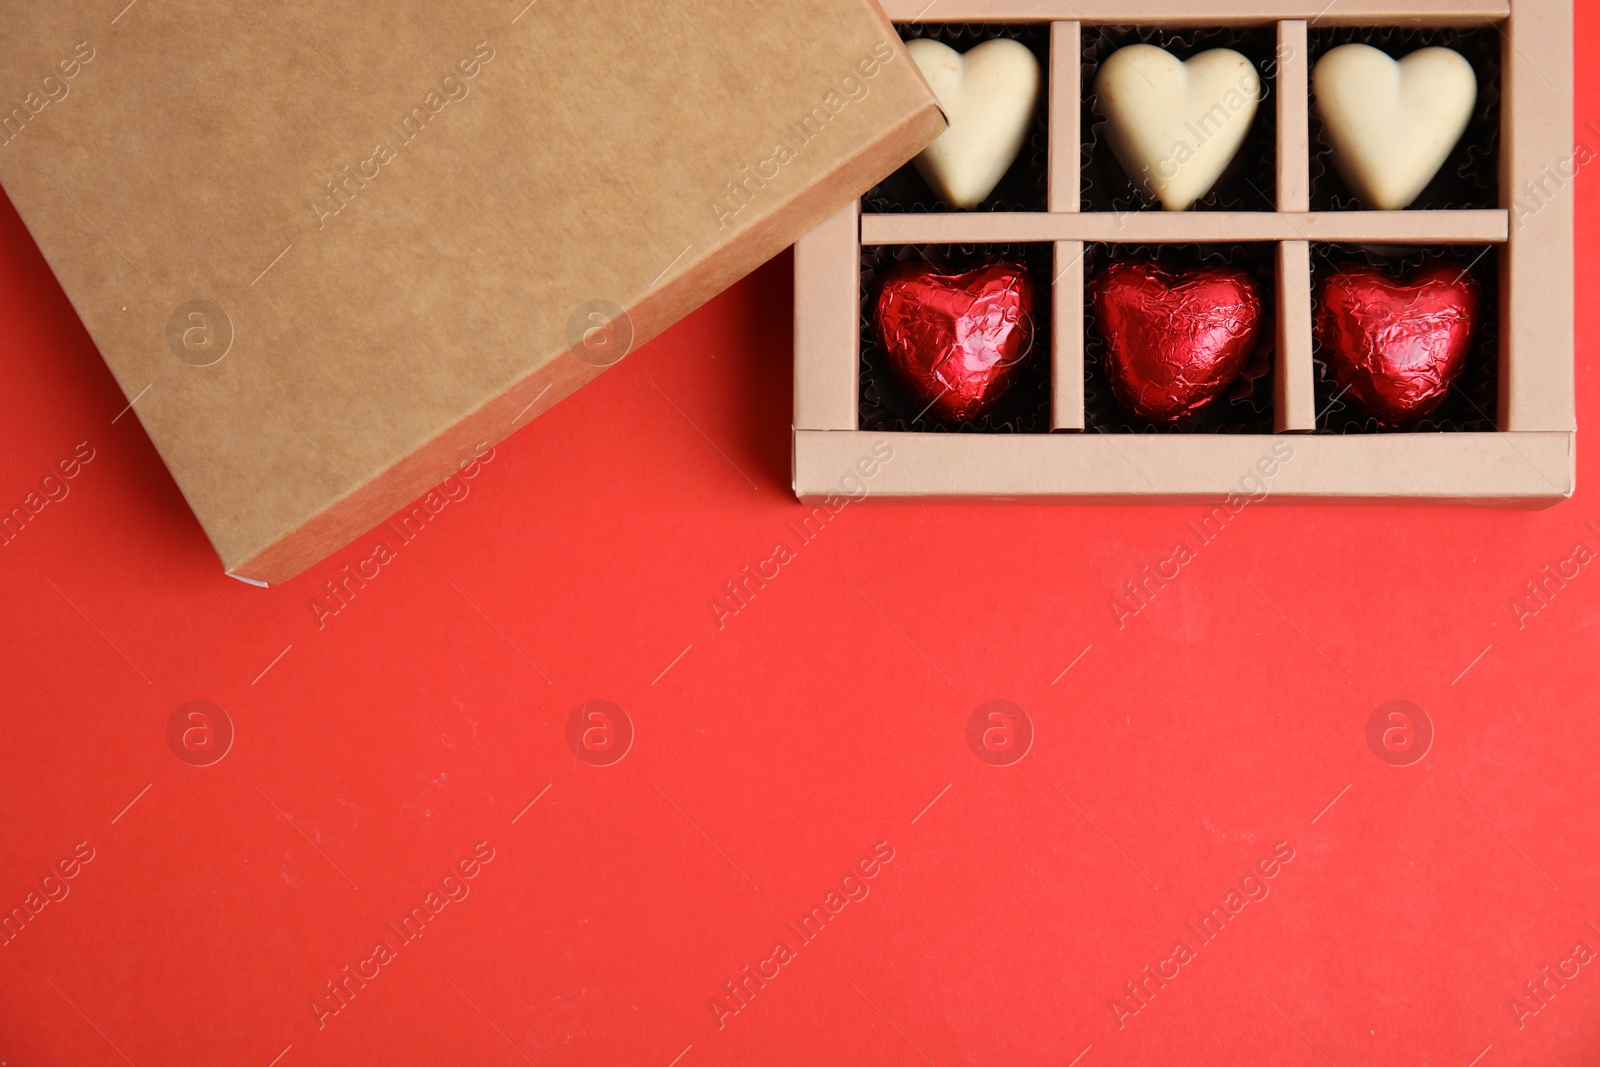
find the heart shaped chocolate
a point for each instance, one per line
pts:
(1176, 125)
(957, 341)
(1392, 124)
(1174, 341)
(989, 95)
(1396, 346)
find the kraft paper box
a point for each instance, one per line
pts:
(1505, 214)
(331, 251)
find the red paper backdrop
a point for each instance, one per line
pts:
(821, 727)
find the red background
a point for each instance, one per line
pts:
(375, 751)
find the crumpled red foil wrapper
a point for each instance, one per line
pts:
(1174, 341)
(957, 341)
(1396, 346)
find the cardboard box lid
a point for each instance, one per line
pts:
(330, 251)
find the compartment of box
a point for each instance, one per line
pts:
(1025, 186)
(1246, 406)
(884, 403)
(1471, 403)
(1470, 177)
(1250, 181)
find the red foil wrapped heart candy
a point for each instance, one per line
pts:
(1174, 341)
(957, 341)
(1397, 346)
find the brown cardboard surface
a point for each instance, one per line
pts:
(827, 322)
(1066, 338)
(1212, 13)
(1293, 88)
(1295, 399)
(1537, 160)
(383, 226)
(1529, 462)
(1066, 58)
(1523, 468)
(1143, 227)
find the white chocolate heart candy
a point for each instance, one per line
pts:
(1175, 126)
(1392, 125)
(989, 95)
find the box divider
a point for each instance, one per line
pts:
(1212, 13)
(1066, 154)
(1190, 227)
(1066, 356)
(1294, 395)
(1533, 469)
(1294, 102)
(827, 323)
(1538, 162)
